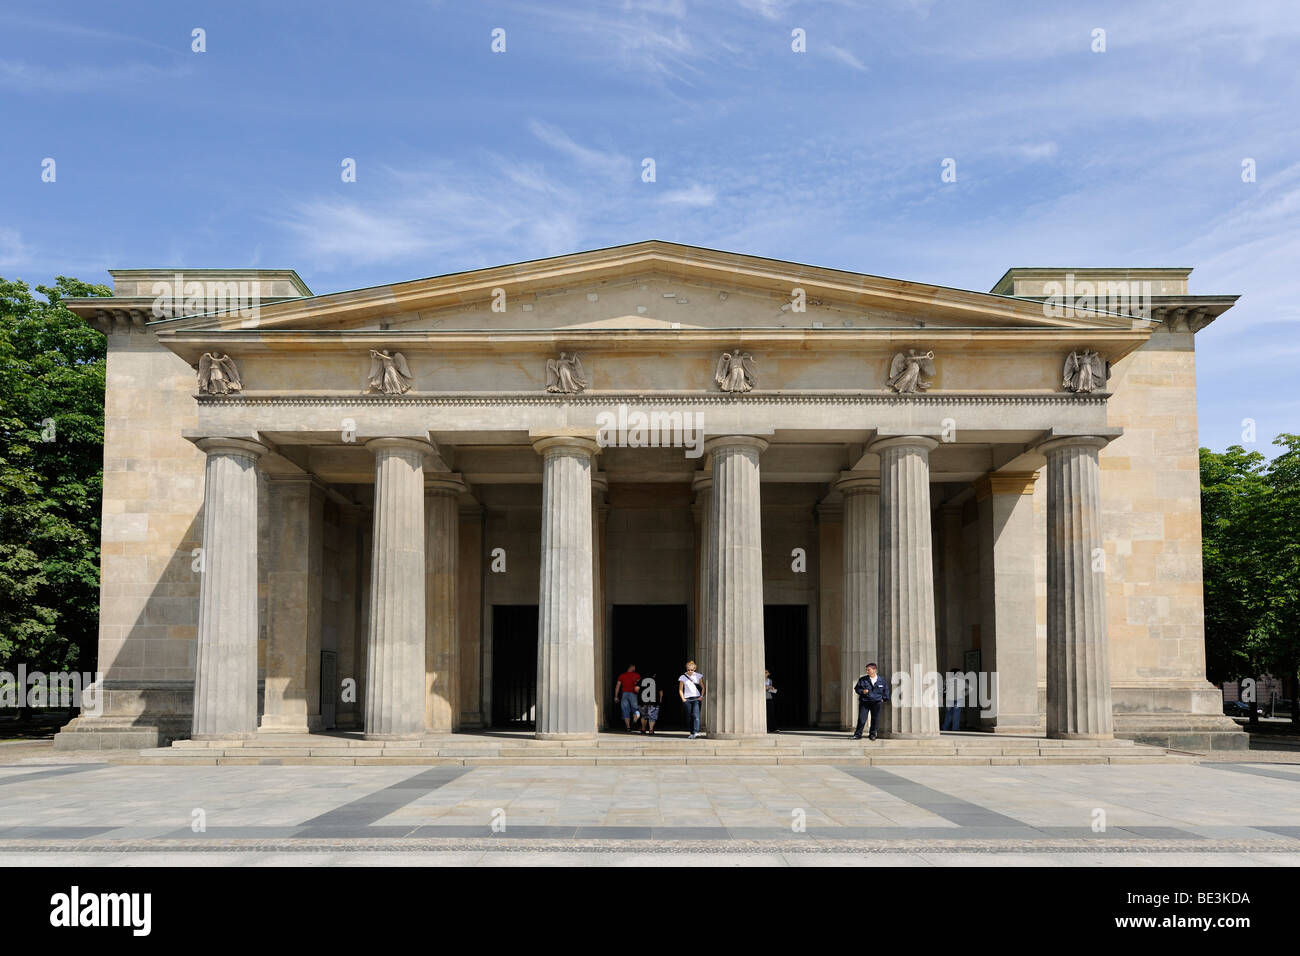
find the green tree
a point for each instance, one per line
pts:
(1283, 565)
(1232, 489)
(1250, 512)
(51, 459)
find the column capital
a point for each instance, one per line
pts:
(829, 510)
(443, 484)
(410, 444)
(302, 478)
(900, 441)
(1005, 483)
(231, 446)
(1072, 441)
(566, 445)
(1055, 438)
(851, 484)
(712, 445)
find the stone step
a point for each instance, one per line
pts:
(421, 759)
(448, 743)
(824, 754)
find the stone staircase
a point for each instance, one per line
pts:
(617, 749)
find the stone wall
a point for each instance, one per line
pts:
(152, 526)
(1151, 522)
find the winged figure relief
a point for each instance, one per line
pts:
(389, 372)
(735, 372)
(565, 375)
(1084, 371)
(906, 369)
(218, 375)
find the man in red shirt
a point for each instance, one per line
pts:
(625, 696)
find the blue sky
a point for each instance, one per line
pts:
(469, 158)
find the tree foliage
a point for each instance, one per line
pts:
(51, 457)
(1250, 513)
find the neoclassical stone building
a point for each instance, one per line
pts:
(472, 500)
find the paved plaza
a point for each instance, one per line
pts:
(82, 811)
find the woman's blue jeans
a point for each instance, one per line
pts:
(692, 705)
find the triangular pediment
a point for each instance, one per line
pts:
(650, 285)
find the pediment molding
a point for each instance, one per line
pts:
(686, 264)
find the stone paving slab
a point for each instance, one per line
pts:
(634, 858)
(115, 808)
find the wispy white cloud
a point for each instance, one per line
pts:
(609, 164)
(14, 253)
(81, 78)
(693, 195)
(14, 22)
(845, 57)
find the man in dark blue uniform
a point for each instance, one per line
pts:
(872, 691)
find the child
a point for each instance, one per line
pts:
(651, 697)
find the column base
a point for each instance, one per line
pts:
(420, 735)
(1024, 725)
(134, 715)
(313, 724)
(574, 737)
(889, 735)
(1063, 736)
(753, 736)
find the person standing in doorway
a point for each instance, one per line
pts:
(770, 692)
(625, 688)
(873, 692)
(691, 689)
(956, 688)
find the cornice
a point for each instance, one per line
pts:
(602, 399)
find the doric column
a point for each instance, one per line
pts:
(350, 629)
(225, 672)
(705, 611)
(296, 507)
(1078, 669)
(469, 618)
(952, 642)
(600, 642)
(830, 613)
(565, 661)
(442, 550)
(861, 620)
(737, 599)
(361, 657)
(907, 636)
(1008, 615)
(396, 658)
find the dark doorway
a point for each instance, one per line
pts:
(653, 637)
(514, 666)
(785, 644)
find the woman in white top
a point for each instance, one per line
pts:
(690, 688)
